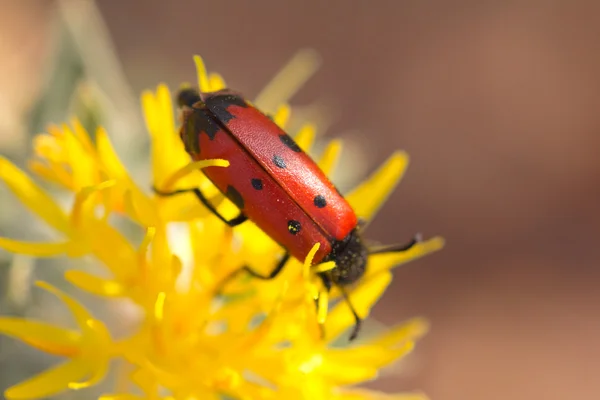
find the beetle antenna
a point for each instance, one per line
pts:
(357, 319)
(396, 248)
(362, 223)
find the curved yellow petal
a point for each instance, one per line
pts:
(36, 249)
(95, 285)
(33, 197)
(49, 382)
(386, 261)
(307, 264)
(43, 336)
(370, 195)
(189, 169)
(362, 297)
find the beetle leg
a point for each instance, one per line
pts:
(273, 274)
(231, 222)
(357, 319)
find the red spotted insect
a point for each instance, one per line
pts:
(276, 185)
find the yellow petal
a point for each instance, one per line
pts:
(36, 249)
(369, 196)
(114, 250)
(117, 171)
(81, 315)
(365, 362)
(288, 80)
(49, 382)
(408, 331)
(308, 260)
(82, 209)
(48, 147)
(386, 261)
(322, 307)
(84, 170)
(167, 150)
(94, 284)
(186, 208)
(216, 82)
(82, 136)
(55, 175)
(203, 83)
(365, 394)
(151, 115)
(305, 137)
(97, 374)
(45, 337)
(330, 157)
(282, 115)
(33, 197)
(347, 374)
(108, 155)
(363, 297)
(165, 106)
(190, 168)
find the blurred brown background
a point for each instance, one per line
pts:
(497, 104)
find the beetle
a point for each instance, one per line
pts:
(274, 184)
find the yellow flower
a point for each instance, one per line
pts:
(89, 350)
(263, 340)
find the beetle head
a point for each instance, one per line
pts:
(350, 256)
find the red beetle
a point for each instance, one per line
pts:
(274, 184)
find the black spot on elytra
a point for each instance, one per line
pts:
(280, 162)
(257, 184)
(294, 227)
(235, 196)
(320, 201)
(289, 142)
(219, 105)
(187, 97)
